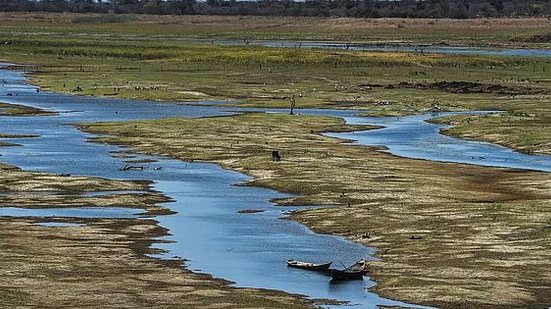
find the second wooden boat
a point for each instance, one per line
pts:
(340, 275)
(308, 266)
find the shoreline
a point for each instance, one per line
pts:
(458, 127)
(143, 233)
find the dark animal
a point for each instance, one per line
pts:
(276, 156)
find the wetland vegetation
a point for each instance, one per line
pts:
(100, 261)
(164, 61)
(490, 225)
(447, 234)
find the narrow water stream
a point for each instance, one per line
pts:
(414, 137)
(392, 47)
(207, 229)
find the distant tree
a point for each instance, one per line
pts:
(535, 9)
(351, 8)
(53, 5)
(498, 4)
(179, 7)
(152, 7)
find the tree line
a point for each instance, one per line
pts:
(338, 8)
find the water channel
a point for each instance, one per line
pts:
(393, 47)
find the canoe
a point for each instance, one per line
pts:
(308, 266)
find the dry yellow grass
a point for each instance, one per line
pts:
(473, 31)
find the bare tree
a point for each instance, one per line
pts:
(293, 103)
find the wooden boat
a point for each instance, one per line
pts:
(340, 275)
(308, 266)
(353, 272)
(360, 265)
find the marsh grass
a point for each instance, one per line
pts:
(254, 75)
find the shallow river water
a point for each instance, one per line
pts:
(249, 249)
(394, 47)
(414, 137)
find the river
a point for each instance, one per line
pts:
(393, 47)
(207, 229)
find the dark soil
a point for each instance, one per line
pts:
(468, 87)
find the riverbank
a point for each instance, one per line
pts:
(58, 260)
(101, 262)
(448, 235)
(19, 110)
(524, 132)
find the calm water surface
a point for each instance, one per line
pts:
(389, 47)
(414, 137)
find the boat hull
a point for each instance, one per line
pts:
(339, 275)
